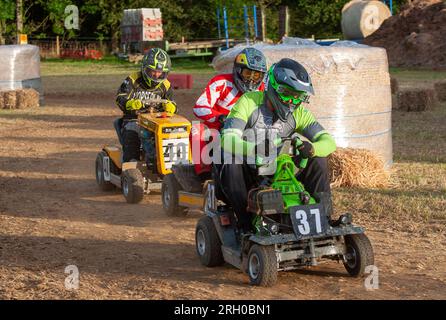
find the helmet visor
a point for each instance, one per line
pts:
(251, 75)
(290, 96)
(155, 75)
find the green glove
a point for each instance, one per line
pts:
(133, 104)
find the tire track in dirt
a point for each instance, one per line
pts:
(53, 215)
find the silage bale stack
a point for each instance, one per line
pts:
(19, 69)
(352, 86)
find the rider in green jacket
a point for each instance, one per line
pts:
(255, 128)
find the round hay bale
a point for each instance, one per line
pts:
(357, 168)
(394, 85)
(416, 99)
(440, 90)
(27, 98)
(352, 97)
(10, 99)
(361, 18)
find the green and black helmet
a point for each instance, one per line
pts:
(288, 85)
(249, 69)
(155, 67)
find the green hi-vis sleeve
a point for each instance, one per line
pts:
(323, 145)
(233, 143)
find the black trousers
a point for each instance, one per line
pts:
(131, 146)
(238, 179)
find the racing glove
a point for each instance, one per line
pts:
(305, 148)
(133, 104)
(170, 107)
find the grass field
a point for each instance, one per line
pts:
(112, 65)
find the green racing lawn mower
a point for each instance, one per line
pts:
(293, 229)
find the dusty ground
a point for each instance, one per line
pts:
(53, 215)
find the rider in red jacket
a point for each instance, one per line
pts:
(220, 95)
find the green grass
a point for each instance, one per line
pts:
(113, 65)
(414, 75)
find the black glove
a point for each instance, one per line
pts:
(306, 150)
(222, 119)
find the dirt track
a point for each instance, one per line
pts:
(53, 215)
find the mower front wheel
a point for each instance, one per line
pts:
(133, 185)
(262, 265)
(169, 192)
(208, 243)
(359, 254)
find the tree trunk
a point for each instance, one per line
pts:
(2, 28)
(19, 7)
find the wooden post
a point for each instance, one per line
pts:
(284, 22)
(262, 12)
(57, 47)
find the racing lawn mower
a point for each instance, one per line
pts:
(164, 142)
(293, 229)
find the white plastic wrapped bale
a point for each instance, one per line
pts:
(352, 89)
(20, 68)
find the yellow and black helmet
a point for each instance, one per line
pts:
(249, 69)
(155, 67)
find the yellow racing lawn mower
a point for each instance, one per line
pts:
(164, 142)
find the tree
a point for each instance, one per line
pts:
(6, 13)
(19, 18)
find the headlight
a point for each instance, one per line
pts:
(274, 228)
(346, 218)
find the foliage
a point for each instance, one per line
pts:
(7, 13)
(191, 19)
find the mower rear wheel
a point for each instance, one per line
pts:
(169, 192)
(262, 265)
(207, 243)
(104, 185)
(133, 185)
(359, 254)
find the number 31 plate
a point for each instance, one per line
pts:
(308, 221)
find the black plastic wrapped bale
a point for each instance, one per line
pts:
(265, 201)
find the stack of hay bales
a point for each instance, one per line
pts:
(20, 69)
(416, 99)
(440, 90)
(19, 99)
(352, 89)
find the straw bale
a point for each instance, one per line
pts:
(357, 168)
(440, 90)
(27, 98)
(9, 99)
(416, 99)
(394, 85)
